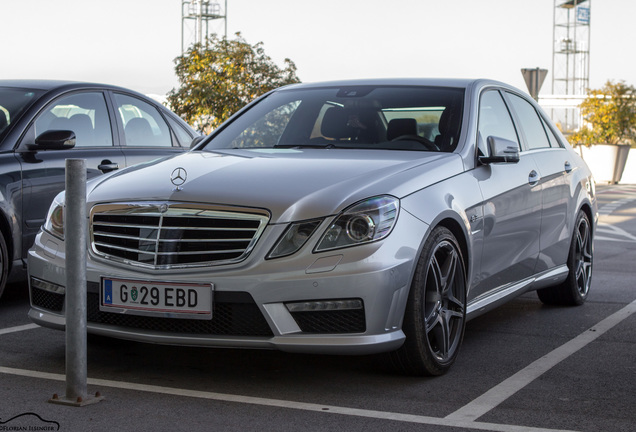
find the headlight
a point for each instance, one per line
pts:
(55, 218)
(364, 222)
(294, 238)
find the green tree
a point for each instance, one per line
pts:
(610, 116)
(222, 76)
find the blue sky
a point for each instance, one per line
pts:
(133, 42)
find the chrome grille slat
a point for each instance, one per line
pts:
(174, 235)
(123, 249)
(98, 234)
(205, 240)
(173, 227)
(147, 252)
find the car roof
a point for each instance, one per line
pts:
(47, 85)
(471, 85)
(435, 82)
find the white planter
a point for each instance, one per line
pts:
(629, 175)
(608, 162)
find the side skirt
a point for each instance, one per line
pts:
(501, 295)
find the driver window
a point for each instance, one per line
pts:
(83, 113)
(494, 120)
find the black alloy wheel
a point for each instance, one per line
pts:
(575, 289)
(435, 315)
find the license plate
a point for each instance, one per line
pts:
(165, 299)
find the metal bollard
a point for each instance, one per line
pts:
(75, 229)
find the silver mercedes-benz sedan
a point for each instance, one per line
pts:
(353, 217)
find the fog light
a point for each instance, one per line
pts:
(324, 305)
(47, 286)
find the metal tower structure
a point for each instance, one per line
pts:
(571, 56)
(196, 17)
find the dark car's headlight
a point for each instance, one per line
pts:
(55, 218)
(364, 222)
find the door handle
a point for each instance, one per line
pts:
(533, 177)
(107, 166)
(568, 167)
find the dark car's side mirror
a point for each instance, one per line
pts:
(54, 140)
(500, 150)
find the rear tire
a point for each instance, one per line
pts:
(435, 315)
(575, 289)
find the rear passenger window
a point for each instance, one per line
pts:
(531, 124)
(184, 138)
(554, 141)
(143, 125)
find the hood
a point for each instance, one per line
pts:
(292, 184)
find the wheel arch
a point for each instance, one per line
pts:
(7, 234)
(456, 228)
(587, 209)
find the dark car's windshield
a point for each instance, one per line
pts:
(365, 117)
(13, 103)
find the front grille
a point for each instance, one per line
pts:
(169, 235)
(47, 300)
(343, 321)
(234, 314)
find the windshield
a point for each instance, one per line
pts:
(13, 102)
(366, 117)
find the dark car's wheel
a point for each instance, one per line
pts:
(4, 264)
(435, 314)
(574, 290)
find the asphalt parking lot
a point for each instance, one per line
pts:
(523, 367)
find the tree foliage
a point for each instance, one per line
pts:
(222, 76)
(610, 116)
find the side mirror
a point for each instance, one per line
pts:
(196, 141)
(500, 150)
(54, 140)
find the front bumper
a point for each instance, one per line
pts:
(250, 298)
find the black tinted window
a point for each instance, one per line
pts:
(143, 125)
(183, 136)
(83, 113)
(13, 102)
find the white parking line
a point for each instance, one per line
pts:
(277, 403)
(465, 417)
(498, 394)
(610, 208)
(18, 329)
(612, 233)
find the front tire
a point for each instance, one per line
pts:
(435, 315)
(575, 289)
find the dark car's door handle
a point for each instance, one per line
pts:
(107, 166)
(568, 166)
(533, 177)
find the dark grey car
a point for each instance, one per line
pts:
(113, 127)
